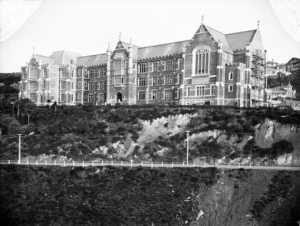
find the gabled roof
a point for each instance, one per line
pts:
(64, 57)
(240, 40)
(278, 90)
(294, 59)
(217, 35)
(161, 50)
(44, 59)
(92, 60)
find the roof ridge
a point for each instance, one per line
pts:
(240, 32)
(164, 44)
(214, 29)
(92, 55)
(65, 51)
(43, 55)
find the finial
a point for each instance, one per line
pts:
(120, 36)
(258, 24)
(108, 47)
(202, 19)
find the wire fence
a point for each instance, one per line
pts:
(148, 164)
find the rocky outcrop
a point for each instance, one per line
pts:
(164, 126)
(271, 131)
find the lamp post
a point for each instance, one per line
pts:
(19, 160)
(187, 146)
(13, 104)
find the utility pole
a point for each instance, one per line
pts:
(187, 146)
(19, 161)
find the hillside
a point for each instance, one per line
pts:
(140, 196)
(153, 133)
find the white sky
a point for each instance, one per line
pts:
(87, 26)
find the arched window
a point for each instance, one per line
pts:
(230, 75)
(201, 61)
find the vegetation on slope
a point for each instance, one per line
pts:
(78, 132)
(101, 195)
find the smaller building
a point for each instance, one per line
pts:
(293, 65)
(279, 91)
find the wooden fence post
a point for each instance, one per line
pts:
(64, 163)
(151, 164)
(36, 162)
(8, 161)
(92, 163)
(73, 163)
(102, 162)
(55, 162)
(162, 164)
(83, 163)
(172, 164)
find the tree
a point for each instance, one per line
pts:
(27, 106)
(49, 102)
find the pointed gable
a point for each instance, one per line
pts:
(122, 45)
(217, 35)
(240, 40)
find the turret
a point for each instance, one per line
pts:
(130, 58)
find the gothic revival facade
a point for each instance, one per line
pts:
(211, 68)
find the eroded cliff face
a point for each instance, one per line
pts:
(271, 131)
(164, 126)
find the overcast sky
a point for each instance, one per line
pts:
(87, 26)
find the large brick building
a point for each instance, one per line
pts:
(212, 67)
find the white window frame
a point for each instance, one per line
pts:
(169, 91)
(169, 65)
(188, 91)
(230, 76)
(139, 93)
(211, 86)
(168, 80)
(64, 97)
(196, 93)
(142, 68)
(230, 89)
(140, 82)
(152, 94)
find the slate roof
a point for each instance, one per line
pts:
(44, 59)
(64, 57)
(91, 60)
(217, 35)
(161, 50)
(239, 40)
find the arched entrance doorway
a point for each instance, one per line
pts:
(119, 97)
